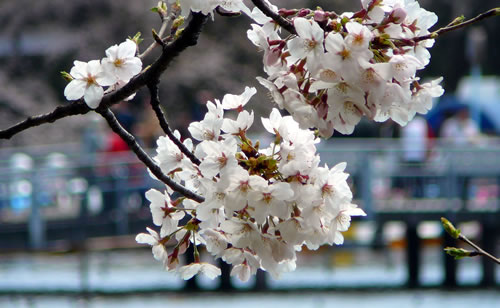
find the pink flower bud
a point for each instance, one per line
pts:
(398, 15)
(303, 12)
(320, 16)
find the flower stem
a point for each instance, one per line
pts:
(439, 32)
(283, 22)
(479, 249)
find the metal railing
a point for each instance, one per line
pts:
(50, 193)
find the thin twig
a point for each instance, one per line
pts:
(155, 104)
(166, 24)
(188, 37)
(280, 20)
(478, 249)
(143, 156)
(435, 34)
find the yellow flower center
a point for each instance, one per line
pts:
(118, 62)
(91, 80)
(310, 44)
(358, 39)
(345, 54)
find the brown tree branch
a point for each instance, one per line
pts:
(155, 104)
(451, 27)
(143, 156)
(75, 108)
(441, 31)
(280, 20)
(189, 37)
(167, 22)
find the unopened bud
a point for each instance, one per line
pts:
(66, 76)
(160, 8)
(320, 16)
(303, 12)
(457, 21)
(459, 253)
(178, 33)
(398, 15)
(450, 228)
(158, 39)
(178, 22)
(136, 38)
(344, 20)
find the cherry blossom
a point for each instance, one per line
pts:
(263, 202)
(88, 80)
(153, 239)
(188, 271)
(115, 70)
(164, 214)
(260, 205)
(121, 62)
(353, 50)
(231, 101)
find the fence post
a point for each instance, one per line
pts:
(366, 186)
(488, 242)
(412, 253)
(37, 226)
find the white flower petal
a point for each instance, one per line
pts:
(75, 89)
(93, 95)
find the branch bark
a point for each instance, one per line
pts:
(143, 156)
(280, 20)
(441, 31)
(75, 108)
(155, 104)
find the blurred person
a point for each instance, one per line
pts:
(414, 141)
(415, 149)
(460, 129)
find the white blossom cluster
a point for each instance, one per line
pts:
(261, 205)
(89, 78)
(338, 68)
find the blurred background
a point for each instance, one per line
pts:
(72, 197)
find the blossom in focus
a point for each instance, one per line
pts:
(231, 101)
(163, 213)
(121, 62)
(88, 80)
(261, 204)
(372, 50)
(209, 127)
(264, 202)
(308, 44)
